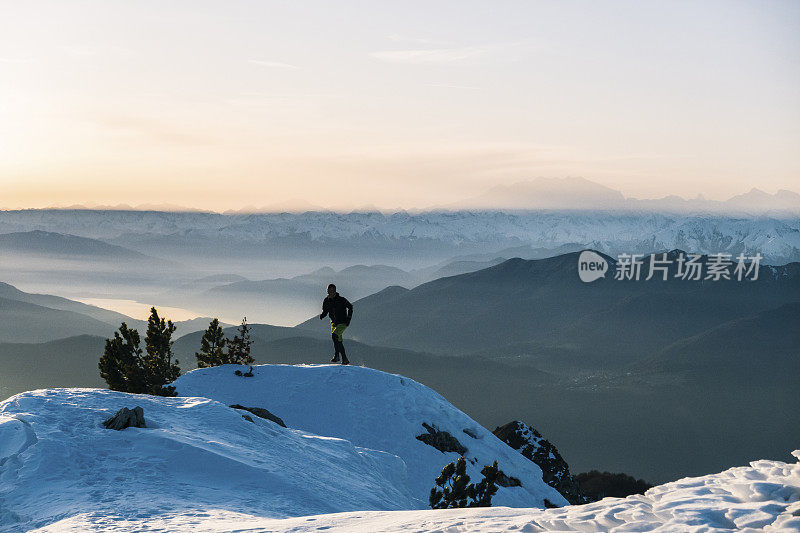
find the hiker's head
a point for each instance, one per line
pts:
(331, 289)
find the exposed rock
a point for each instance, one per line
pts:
(260, 413)
(470, 432)
(441, 440)
(507, 481)
(248, 374)
(126, 418)
(555, 470)
(248, 418)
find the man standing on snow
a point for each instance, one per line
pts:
(340, 311)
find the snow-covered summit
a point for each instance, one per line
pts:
(378, 411)
(350, 445)
(195, 455)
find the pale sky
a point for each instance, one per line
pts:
(220, 105)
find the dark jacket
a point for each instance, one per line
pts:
(339, 309)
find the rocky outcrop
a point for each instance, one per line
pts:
(126, 418)
(597, 485)
(260, 413)
(531, 444)
(505, 480)
(441, 440)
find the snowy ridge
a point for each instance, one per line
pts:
(195, 456)
(199, 456)
(776, 237)
(379, 411)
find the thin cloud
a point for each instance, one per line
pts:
(449, 86)
(440, 55)
(418, 40)
(146, 128)
(464, 54)
(273, 64)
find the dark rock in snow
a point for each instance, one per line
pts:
(505, 480)
(248, 374)
(471, 433)
(555, 470)
(126, 418)
(260, 413)
(441, 440)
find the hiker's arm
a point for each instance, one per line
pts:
(349, 310)
(324, 311)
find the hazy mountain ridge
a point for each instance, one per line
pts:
(67, 362)
(544, 301)
(40, 242)
(26, 322)
(580, 193)
(766, 344)
(30, 317)
(433, 235)
(570, 192)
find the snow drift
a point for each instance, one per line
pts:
(764, 496)
(195, 456)
(379, 411)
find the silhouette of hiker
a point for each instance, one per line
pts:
(340, 311)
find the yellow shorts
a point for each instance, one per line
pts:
(338, 329)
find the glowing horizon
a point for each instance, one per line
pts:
(223, 105)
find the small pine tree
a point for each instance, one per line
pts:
(212, 347)
(481, 494)
(453, 489)
(239, 346)
(158, 362)
(122, 365)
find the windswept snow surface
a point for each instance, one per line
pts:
(375, 410)
(196, 456)
(764, 496)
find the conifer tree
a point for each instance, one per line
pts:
(239, 346)
(122, 365)
(481, 494)
(453, 489)
(212, 347)
(159, 365)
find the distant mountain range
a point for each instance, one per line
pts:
(540, 309)
(577, 193)
(38, 242)
(289, 300)
(763, 347)
(572, 193)
(28, 317)
(410, 241)
(67, 362)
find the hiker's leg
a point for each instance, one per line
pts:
(335, 339)
(338, 331)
